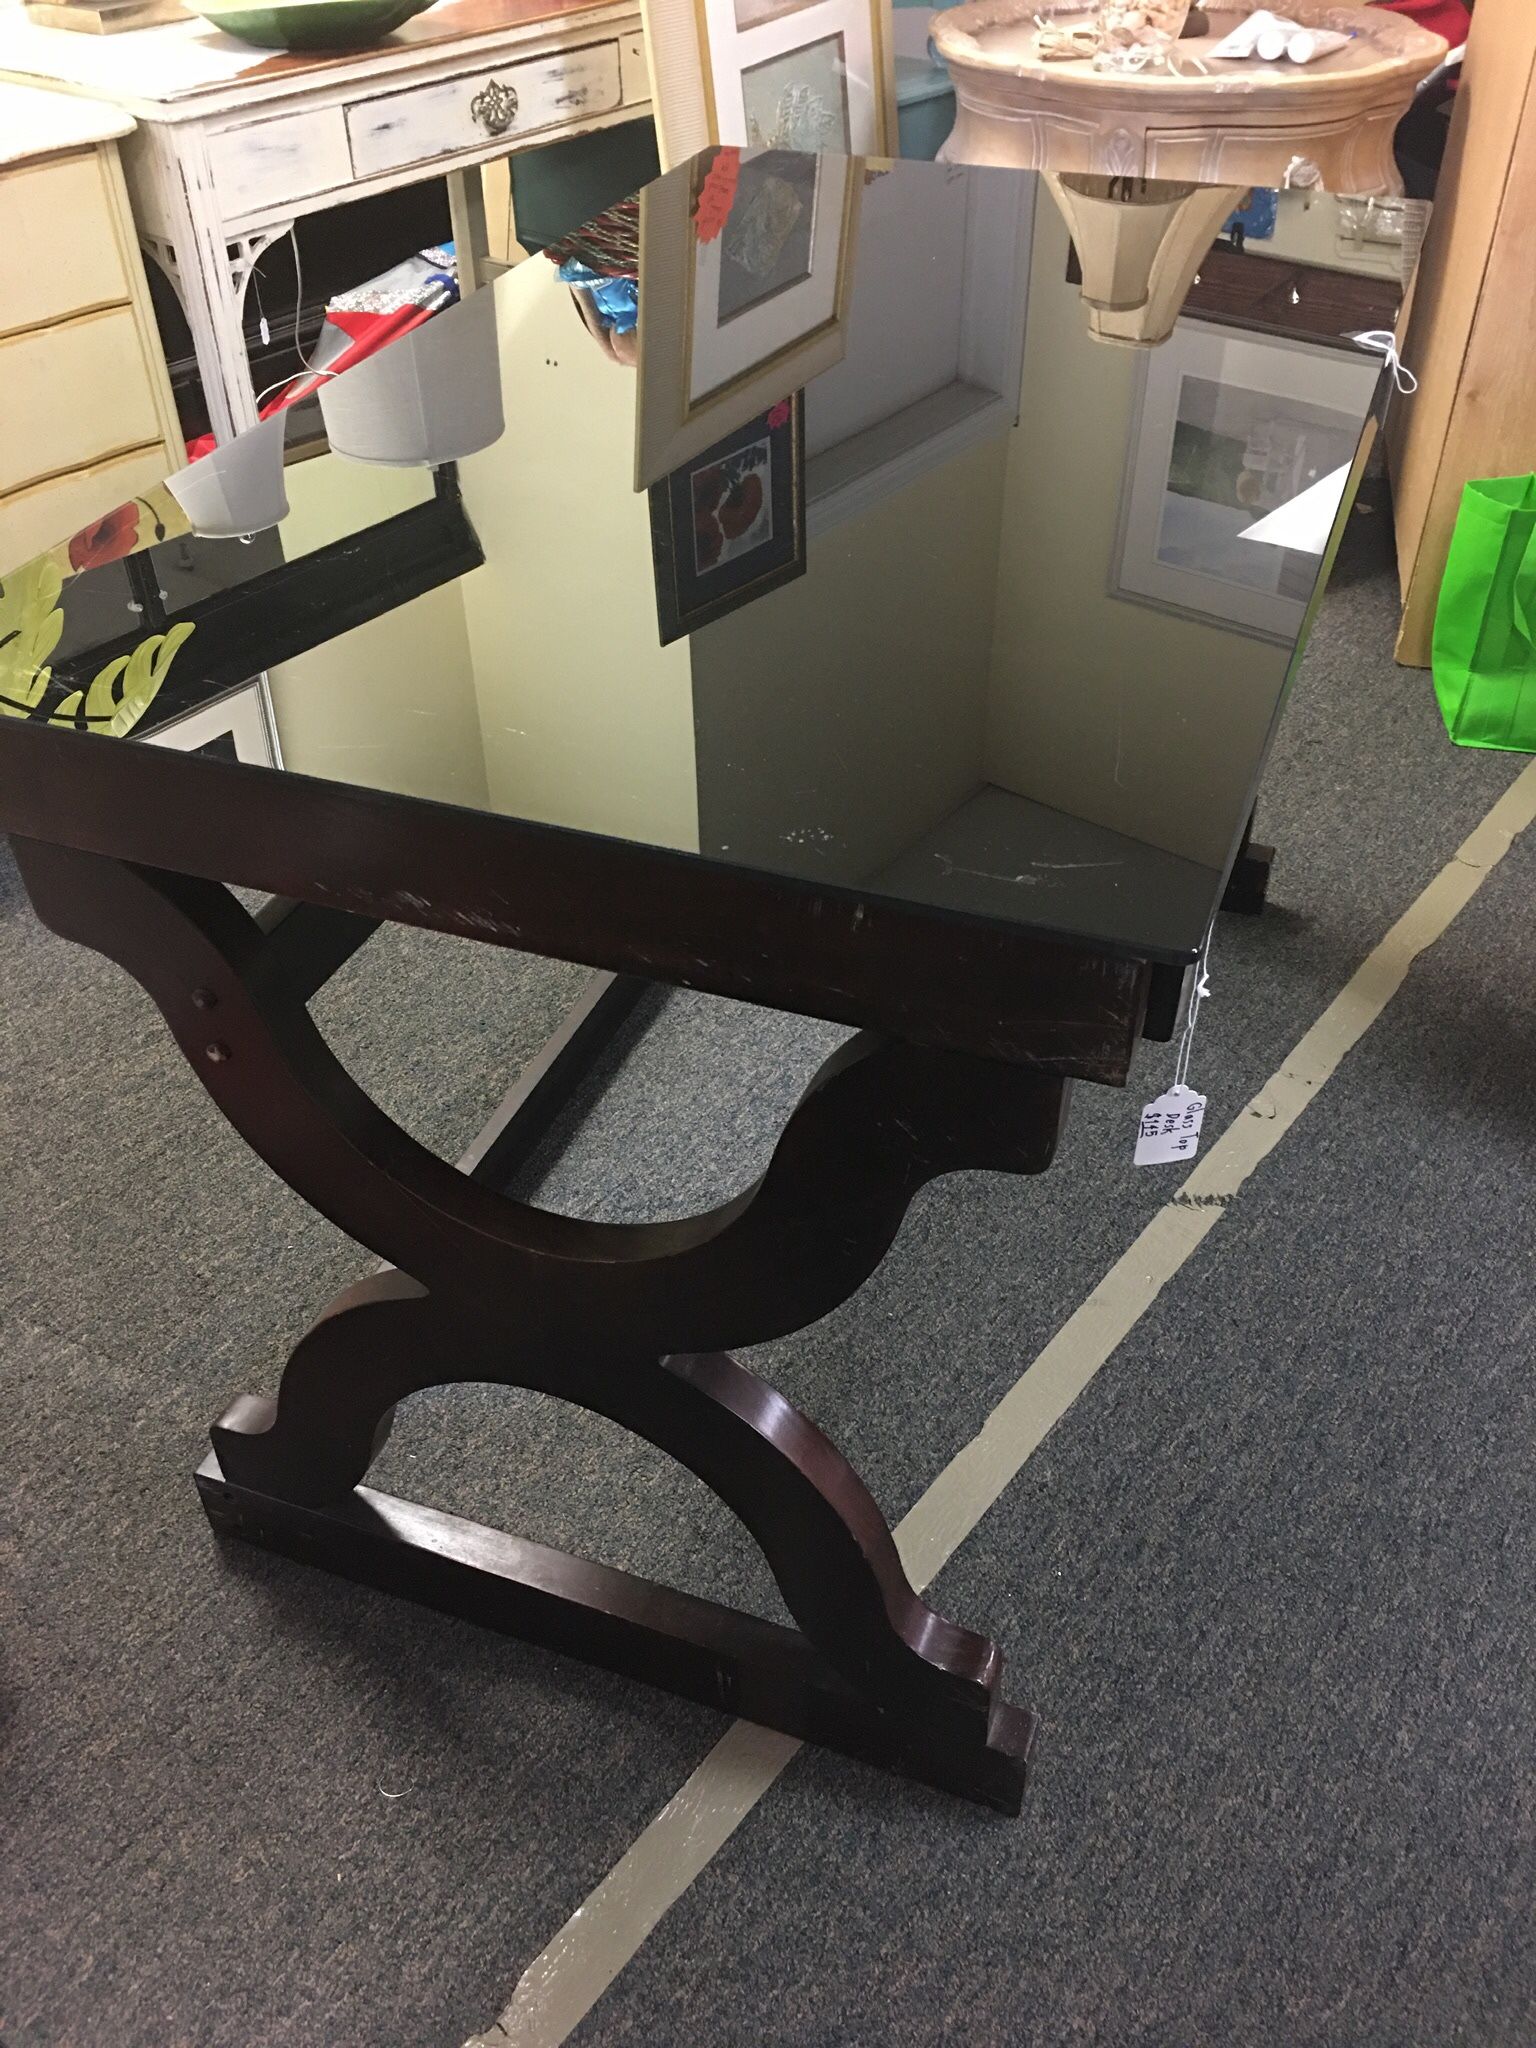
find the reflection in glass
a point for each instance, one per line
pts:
(997, 637)
(237, 487)
(1140, 242)
(753, 254)
(1230, 426)
(431, 397)
(765, 245)
(730, 526)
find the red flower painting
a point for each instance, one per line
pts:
(107, 539)
(732, 513)
(730, 526)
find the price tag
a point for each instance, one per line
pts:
(1170, 1128)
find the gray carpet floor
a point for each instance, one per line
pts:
(1268, 1583)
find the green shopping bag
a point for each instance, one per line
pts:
(1485, 623)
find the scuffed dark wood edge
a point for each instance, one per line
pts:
(733, 1662)
(925, 975)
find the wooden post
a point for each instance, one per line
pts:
(1467, 337)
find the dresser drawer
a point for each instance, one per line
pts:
(501, 103)
(270, 162)
(73, 394)
(39, 517)
(58, 249)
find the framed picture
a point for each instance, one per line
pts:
(746, 264)
(1228, 427)
(236, 727)
(730, 526)
(772, 74)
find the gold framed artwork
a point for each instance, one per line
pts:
(812, 75)
(746, 272)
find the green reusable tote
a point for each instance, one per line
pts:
(1485, 622)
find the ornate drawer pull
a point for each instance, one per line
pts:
(494, 106)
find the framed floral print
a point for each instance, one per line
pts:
(814, 75)
(729, 526)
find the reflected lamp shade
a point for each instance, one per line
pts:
(237, 487)
(433, 396)
(1140, 242)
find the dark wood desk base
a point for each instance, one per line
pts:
(1247, 888)
(630, 1321)
(716, 1655)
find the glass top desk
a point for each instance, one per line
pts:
(890, 643)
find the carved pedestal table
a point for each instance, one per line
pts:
(918, 775)
(1225, 122)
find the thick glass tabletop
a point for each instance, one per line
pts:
(937, 534)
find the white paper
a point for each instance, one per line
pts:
(1316, 42)
(1305, 521)
(1244, 39)
(1170, 1128)
(1273, 36)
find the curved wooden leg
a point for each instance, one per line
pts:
(818, 1527)
(629, 1321)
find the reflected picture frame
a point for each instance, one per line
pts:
(1298, 388)
(742, 71)
(237, 726)
(713, 353)
(729, 526)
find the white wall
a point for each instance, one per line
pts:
(586, 721)
(390, 705)
(907, 272)
(824, 747)
(1067, 660)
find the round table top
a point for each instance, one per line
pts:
(1002, 37)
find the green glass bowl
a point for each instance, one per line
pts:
(309, 24)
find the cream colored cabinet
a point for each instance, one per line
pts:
(86, 415)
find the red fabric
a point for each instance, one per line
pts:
(717, 195)
(369, 333)
(1448, 18)
(106, 540)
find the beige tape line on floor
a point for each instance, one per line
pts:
(560, 1987)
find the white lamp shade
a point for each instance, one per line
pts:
(1140, 243)
(238, 487)
(433, 396)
